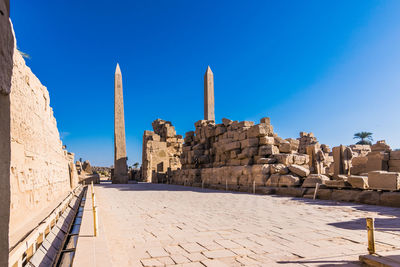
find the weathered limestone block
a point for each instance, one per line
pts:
(266, 161)
(368, 197)
(359, 182)
(250, 151)
(259, 173)
(394, 165)
(359, 165)
(260, 130)
(286, 159)
(279, 168)
(250, 142)
(273, 180)
(313, 179)
(380, 146)
(300, 159)
(289, 180)
(337, 184)
(305, 140)
(284, 147)
(244, 124)
(268, 150)
(377, 161)
(294, 144)
(299, 170)
(395, 155)
(345, 195)
(383, 180)
(265, 120)
(361, 150)
(390, 199)
(267, 140)
(232, 145)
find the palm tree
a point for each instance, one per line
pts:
(364, 137)
(136, 165)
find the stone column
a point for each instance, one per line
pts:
(209, 95)
(6, 67)
(120, 167)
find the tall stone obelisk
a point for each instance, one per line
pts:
(120, 167)
(209, 95)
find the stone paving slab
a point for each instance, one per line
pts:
(90, 250)
(169, 225)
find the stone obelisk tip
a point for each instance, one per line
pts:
(209, 69)
(117, 69)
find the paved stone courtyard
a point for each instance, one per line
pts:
(162, 225)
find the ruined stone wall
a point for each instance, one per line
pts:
(6, 65)
(41, 171)
(161, 151)
(244, 156)
(241, 154)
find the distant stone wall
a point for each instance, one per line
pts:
(6, 65)
(42, 173)
(161, 151)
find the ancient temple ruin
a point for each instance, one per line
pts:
(162, 148)
(244, 155)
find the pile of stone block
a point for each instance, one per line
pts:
(243, 154)
(236, 155)
(162, 149)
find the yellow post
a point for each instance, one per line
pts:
(254, 186)
(371, 238)
(95, 219)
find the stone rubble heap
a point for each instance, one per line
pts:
(242, 154)
(239, 155)
(162, 149)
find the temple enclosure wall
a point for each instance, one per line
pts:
(37, 173)
(6, 65)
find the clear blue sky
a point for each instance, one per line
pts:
(329, 67)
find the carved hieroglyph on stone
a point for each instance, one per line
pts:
(120, 167)
(38, 174)
(209, 95)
